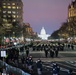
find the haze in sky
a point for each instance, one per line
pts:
(49, 14)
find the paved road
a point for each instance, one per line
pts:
(63, 56)
(66, 60)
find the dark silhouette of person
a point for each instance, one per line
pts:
(56, 52)
(27, 52)
(72, 47)
(46, 52)
(52, 54)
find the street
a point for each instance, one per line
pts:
(66, 60)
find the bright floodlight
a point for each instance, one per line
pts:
(43, 34)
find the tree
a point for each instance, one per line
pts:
(55, 34)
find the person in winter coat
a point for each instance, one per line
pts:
(39, 66)
(27, 52)
(30, 64)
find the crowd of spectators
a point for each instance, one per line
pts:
(26, 62)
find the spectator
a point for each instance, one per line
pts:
(27, 62)
(30, 64)
(39, 66)
(55, 69)
(27, 52)
(70, 72)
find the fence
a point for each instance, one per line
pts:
(10, 69)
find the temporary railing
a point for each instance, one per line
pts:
(9, 69)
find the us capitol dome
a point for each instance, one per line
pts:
(43, 34)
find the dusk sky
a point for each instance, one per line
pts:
(49, 14)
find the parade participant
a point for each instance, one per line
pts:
(56, 52)
(52, 53)
(72, 46)
(46, 52)
(39, 66)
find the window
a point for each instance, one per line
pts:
(4, 20)
(4, 3)
(14, 20)
(17, 7)
(4, 6)
(4, 11)
(13, 7)
(13, 3)
(9, 7)
(9, 16)
(4, 15)
(8, 3)
(14, 16)
(9, 12)
(13, 12)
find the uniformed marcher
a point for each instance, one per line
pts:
(46, 52)
(56, 52)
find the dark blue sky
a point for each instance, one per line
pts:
(48, 13)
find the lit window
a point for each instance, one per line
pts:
(4, 15)
(14, 20)
(4, 3)
(13, 3)
(13, 12)
(13, 7)
(9, 7)
(17, 7)
(13, 16)
(9, 16)
(9, 11)
(4, 6)
(4, 11)
(5, 20)
(8, 4)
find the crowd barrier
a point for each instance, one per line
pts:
(9, 69)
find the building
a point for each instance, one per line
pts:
(11, 11)
(72, 11)
(28, 32)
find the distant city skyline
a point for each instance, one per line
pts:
(49, 14)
